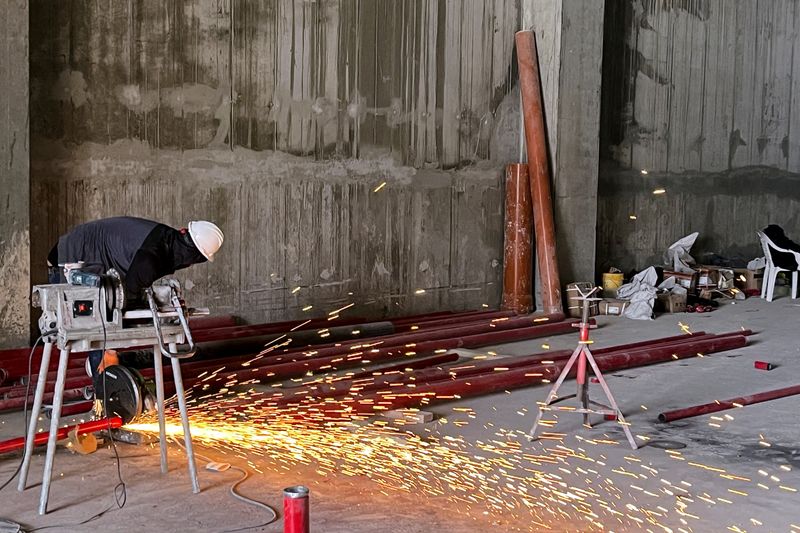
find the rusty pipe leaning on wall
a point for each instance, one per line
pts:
(517, 258)
(538, 171)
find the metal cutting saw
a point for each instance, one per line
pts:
(88, 313)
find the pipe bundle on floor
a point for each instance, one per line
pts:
(507, 378)
(417, 337)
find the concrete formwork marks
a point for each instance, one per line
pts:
(309, 78)
(703, 85)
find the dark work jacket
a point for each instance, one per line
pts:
(142, 251)
(778, 236)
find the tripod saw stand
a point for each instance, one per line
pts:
(582, 355)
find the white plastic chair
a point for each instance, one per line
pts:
(771, 271)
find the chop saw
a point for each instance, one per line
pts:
(89, 313)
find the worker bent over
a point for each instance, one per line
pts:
(141, 251)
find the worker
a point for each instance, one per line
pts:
(141, 251)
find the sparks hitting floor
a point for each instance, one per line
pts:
(473, 473)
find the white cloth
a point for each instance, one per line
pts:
(641, 292)
(677, 256)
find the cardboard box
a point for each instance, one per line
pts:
(574, 305)
(714, 277)
(669, 302)
(610, 306)
(707, 277)
(687, 281)
(748, 280)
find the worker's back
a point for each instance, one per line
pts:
(106, 243)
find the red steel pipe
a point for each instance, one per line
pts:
(517, 258)
(472, 328)
(301, 366)
(724, 405)
(450, 321)
(341, 388)
(19, 402)
(525, 376)
(413, 364)
(211, 322)
(15, 360)
(41, 438)
(536, 140)
(286, 366)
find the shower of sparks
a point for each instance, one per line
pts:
(496, 476)
(541, 486)
(323, 420)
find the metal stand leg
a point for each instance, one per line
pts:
(611, 400)
(553, 394)
(187, 434)
(41, 383)
(162, 430)
(58, 398)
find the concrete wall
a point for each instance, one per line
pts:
(14, 174)
(279, 119)
(702, 96)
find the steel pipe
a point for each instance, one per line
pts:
(282, 369)
(724, 405)
(337, 389)
(87, 427)
(19, 402)
(487, 383)
(517, 258)
(536, 141)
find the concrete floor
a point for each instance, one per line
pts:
(355, 504)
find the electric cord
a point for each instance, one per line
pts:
(120, 490)
(25, 408)
(239, 496)
(9, 526)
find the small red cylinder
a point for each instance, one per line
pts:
(763, 365)
(581, 375)
(295, 509)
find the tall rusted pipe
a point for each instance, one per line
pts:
(723, 405)
(517, 258)
(539, 175)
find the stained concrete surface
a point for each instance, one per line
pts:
(14, 174)
(354, 504)
(726, 208)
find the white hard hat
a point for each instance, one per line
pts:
(207, 237)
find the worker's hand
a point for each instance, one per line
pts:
(110, 358)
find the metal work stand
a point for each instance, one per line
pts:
(582, 355)
(159, 336)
